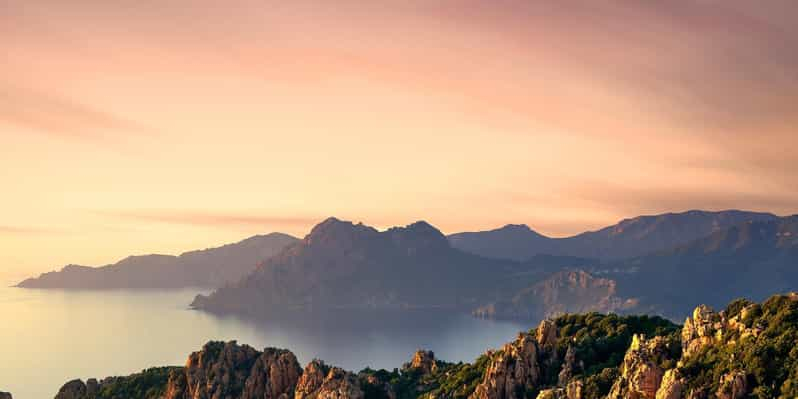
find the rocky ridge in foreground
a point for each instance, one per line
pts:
(748, 350)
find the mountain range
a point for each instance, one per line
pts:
(209, 268)
(658, 264)
(628, 238)
(750, 260)
(345, 265)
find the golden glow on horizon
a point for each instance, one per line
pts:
(131, 128)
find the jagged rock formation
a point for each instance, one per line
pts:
(222, 370)
(211, 267)
(707, 327)
(671, 386)
(423, 361)
(642, 370)
(320, 381)
(511, 370)
(76, 389)
(570, 291)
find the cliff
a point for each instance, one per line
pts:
(569, 291)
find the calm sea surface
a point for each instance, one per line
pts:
(48, 337)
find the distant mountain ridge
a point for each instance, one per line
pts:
(210, 268)
(749, 260)
(345, 265)
(628, 238)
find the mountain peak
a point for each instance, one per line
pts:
(515, 227)
(417, 236)
(333, 230)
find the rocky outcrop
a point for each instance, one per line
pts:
(569, 367)
(733, 385)
(570, 291)
(424, 361)
(552, 393)
(641, 373)
(671, 386)
(228, 370)
(320, 381)
(707, 327)
(572, 391)
(5, 395)
(575, 390)
(701, 330)
(74, 389)
(511, 371)
(546, 335)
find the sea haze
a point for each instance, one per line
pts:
(60, 335)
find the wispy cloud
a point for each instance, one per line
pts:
(4, 229)
(214, 219)
(57, 115)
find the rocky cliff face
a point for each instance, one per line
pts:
(423, 361)
(228, 370)
(320, 381)
(570, 291)
(642, 369)
(511, 371)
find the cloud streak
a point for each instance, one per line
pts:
(212, 219)
(59, 116)
(14, 230)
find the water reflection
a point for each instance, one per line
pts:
(49, 337)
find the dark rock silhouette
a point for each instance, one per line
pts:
(345, 265)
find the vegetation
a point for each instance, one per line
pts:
(769, 360)
(149, 384)
(600, 340)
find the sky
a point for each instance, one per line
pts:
(132, 127)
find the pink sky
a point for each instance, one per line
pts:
(132, 127)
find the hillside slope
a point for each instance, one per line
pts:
(211, 267)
